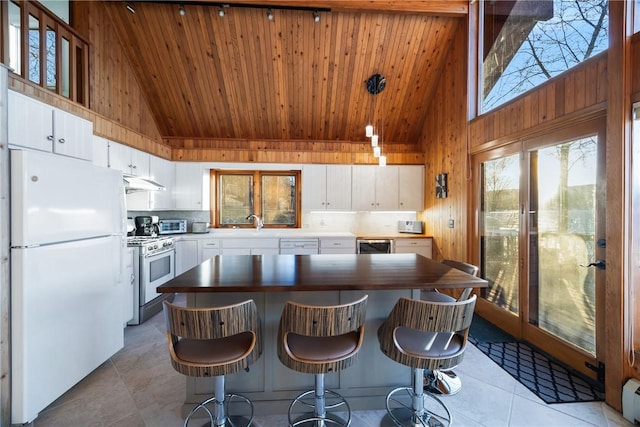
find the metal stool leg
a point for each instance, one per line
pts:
(412, 407)
(323, 400)
(219, 415)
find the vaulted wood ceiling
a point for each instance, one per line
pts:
(243, 77)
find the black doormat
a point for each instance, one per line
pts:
(550, 380)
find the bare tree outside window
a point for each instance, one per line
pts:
(527, 42)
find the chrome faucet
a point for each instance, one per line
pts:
(259, 223)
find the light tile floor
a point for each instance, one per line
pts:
(138, 387)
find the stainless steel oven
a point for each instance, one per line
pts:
(155, 266)
(374, 246)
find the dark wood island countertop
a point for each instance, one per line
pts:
(274, 273)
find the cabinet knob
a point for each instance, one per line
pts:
(61, 141)
(50, 137)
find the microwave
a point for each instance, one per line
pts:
(172, 226)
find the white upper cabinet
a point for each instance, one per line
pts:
(374, 188)
(411, 188)
(100, 151)
(72, 135)
(326, 187)
(190, 190)
(128, 160)
(163, 172)
(36, 125)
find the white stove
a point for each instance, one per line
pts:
(154, 264)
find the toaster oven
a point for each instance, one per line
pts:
(172, 226)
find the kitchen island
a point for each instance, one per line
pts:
(270, 280)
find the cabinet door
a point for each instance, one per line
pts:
(163, 172)
(100, 151)
(139, 163)
(337, 245)
(30, 122)
(314, 187)
(414, 246)
(186, 255)
(338, 187)
(363, 188)
(208, 248)
(129, 286)
(411, 188)
(188, 188)
(120, 157)
(386, 188)
(72, 135)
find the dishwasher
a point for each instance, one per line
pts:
(299, 246)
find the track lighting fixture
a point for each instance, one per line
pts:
(316, 17)
(270, 14)
(181, 10)
(130, 7)
(220, 11)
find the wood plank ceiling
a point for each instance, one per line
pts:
(243, 77)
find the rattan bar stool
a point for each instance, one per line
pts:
(424, 335)
(319, 340)
(214, 342)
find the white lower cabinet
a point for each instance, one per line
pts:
(337, 245)
(186, 255)
(261, 246)
(420, 245)
(208, 248)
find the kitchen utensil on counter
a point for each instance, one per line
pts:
(200, 227)
(144, 226)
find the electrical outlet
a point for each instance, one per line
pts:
(451, 223)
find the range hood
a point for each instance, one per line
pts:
(135, 183)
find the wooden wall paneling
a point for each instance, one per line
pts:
(445, 136)
(579, 90)
(114, 91)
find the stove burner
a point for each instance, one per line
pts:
(151, 245)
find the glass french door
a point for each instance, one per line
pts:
(541, 242)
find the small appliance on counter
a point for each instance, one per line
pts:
(172, 226)
(200, 227)
(413, 227)
(145, 226)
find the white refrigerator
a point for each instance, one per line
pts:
(67, 247)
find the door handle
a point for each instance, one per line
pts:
(599, 264)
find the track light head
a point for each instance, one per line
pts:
(316, 17)
(270, 14)
(129, 7)
(181, 10)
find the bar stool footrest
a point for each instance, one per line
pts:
(230, 420)
(333, 400)
(401, 411)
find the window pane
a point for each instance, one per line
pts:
(34, 49)
(562, 240)
(64, 61)
(60, 8)
(500, 224)
(50, 53)
(527, 42)
(14, 37)
(279, 199)
(236, 199)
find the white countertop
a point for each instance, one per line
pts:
(252, 233)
